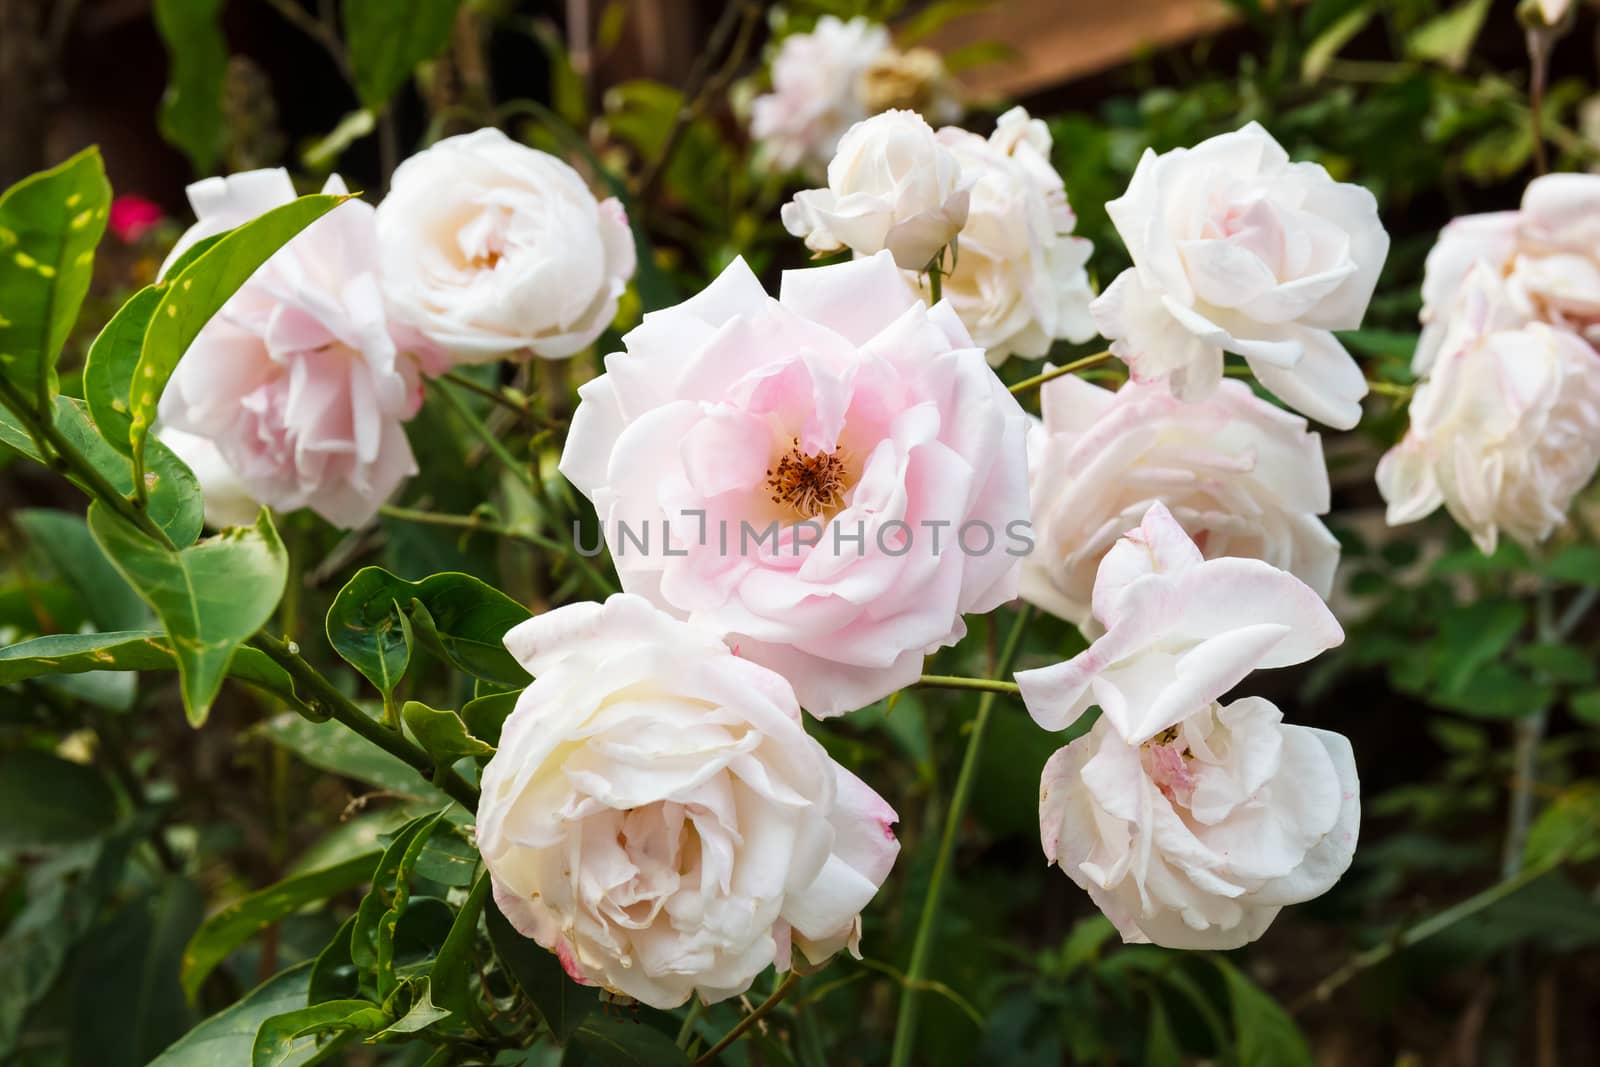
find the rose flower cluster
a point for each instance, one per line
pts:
(804, 494)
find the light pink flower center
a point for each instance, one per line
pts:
(1168, 767)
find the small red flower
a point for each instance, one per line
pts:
(132, 216)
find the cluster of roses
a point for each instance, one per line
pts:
(656, 813)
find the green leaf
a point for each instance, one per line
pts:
(109, 367)
(50, 224)
(227, 1036)
(442, 734)
(126, 1005)
(386, 39)
(1567, 830)
(63, 539)
(50, 801)
(296, 1036)
(243, 919)
(1559, 663)
(422, 1014)
(463, 619)
(176, 504)
(456, 963)
(1264, 1034)
(1448, 38)
(614, 1041)
(126, 650)
(485, 716)
(371, 634)
(1579, 564)
(332, 747)
(197, 59)
(334, 975)
(372, 939)
(211, 596)
(1586, 706)
(449, 857)
(1473, 636)
(1331, 42)
(1161, 1047)
(191, 297)
(561, 1002)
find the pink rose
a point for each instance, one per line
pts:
(302, 381)
(1241, 476)
(1180, 631)
(842, 474)
(657, 817)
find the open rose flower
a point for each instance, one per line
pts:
(1548, 253)
(1241, 476)
(1506, 428)
(890, 185)
(303, 381)
(1195, 838)
(1018, 283)
(842, 474)
(816, 92)
(657, 817)
(1236, 249)
(494, 249)
(1180, 631)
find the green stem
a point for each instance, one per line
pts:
(1423, 930)
(935, 283)
(905, 1031)
(750, 1020)
(521, 470)
(981, 685)
(473, 524)
(1398, 390)
(320, 696)
(686, 1031)
(463, 382)
(1056, 372)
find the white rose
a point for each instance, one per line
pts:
(492, 248)
(1505, 430)
(816, 92)
(891, 185)
(1196, 838)
(1180, 631)
(1464, 241)
(1019, 282)
(1241, 476)
(657, 817)
(1236, 249)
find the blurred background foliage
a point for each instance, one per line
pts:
(123, 828)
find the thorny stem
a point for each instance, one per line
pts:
(521, 470)
(1056, 372)
(905, 1031)
(750, 1020)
